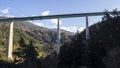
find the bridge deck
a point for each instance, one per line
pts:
(54, 16)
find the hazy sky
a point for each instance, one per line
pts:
(20, 8)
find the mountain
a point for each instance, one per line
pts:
(31, 26)
(44, 39)
(30, 29)
(28, 26)
(41, 31)
(62, 31)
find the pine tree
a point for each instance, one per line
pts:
(31, 53)
(20, 52)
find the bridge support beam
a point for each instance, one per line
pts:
(58, 38)
(87, 29)
(10, 41)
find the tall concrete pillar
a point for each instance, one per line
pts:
(87, 29)
(10, 41)
(58, 38)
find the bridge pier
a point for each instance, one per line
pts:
(58, 38)
(87, 29)
(10, 42)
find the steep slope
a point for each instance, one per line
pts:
(102, 50)
(28, 26)
(47, 35)
(44, 38)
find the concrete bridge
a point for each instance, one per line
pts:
(58, 17)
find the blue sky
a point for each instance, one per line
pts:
(19, 8)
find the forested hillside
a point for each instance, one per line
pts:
(102, 50)
(43, 38)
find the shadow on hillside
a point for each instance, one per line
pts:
(48, 62)
(11, 64)
(51, 61)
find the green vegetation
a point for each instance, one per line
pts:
(30, 42)
(26, 54)
(100, 51)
